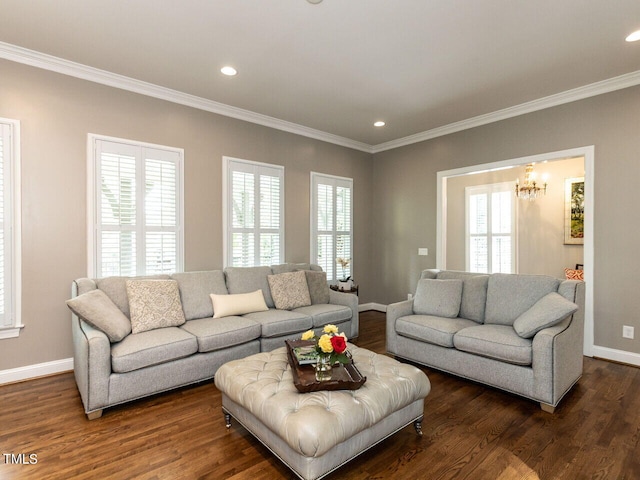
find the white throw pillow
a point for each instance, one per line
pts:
(238, 304)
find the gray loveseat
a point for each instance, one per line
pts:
(519, 333)
(117, 366)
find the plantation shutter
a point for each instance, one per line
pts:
(254, 213)
(490, 237)
(138, 209)
(331, 218)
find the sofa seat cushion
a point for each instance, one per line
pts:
(509, 295)
(500, 342)
(218, 333)
(325, 313)
(431, 329)
(152, 347)
(276, 323)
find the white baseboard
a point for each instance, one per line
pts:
(616, 355)
(363, 307)
(33, 371)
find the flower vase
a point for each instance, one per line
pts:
(323, 368)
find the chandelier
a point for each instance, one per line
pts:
(529, 190)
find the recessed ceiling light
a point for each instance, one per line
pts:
(379, 124)
(230, 71)
(634, 37)
(314, 1)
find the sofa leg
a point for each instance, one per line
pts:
(94, 415)
(547, 408)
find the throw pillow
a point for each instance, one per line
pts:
(97, 309)
(440, 298)
(318, 286)
(546, 312)
(154, 304)
(289, 290)
(238, 304)
(572, 274)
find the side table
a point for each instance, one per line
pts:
(354, 289)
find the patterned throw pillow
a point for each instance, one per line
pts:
(289, 290)
(572, 274)
(154, 304)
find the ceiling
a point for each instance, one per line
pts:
(336, 67)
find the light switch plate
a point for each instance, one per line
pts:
(423, 251)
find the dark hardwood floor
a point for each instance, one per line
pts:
(470, 432)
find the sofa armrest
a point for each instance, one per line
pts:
(558, 355)
(348, 300)
(394, 312)
(91, 364)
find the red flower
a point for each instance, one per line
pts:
(338, 343)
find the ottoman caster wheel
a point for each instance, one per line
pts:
(418, 426)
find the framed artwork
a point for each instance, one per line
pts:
(574, 211)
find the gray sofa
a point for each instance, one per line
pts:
(519, 333)
(116, 367)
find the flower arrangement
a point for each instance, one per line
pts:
(344, 263)
(331, 344)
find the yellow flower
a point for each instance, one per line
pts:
(325, 344)
(308, 335)
(330, 329)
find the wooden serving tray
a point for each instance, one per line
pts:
(343, 376)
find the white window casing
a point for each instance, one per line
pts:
(135, 208)
(332, 224)
(10, 229)
(253, 213)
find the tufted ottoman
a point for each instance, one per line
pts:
(315, 433)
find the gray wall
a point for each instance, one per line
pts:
(540, 224)
(394, 192)
(404, 181)
(56, 114)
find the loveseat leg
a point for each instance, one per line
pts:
(94, 415)
(547, 408)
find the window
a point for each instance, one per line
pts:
(331, 224)
(491, 246)
(135, 199)
(10, 321)
(253, 213)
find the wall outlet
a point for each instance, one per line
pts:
(423, 251)
(409, 296)
(627, 331)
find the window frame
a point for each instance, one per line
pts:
(10, 130)
(489, 189)
(93, 189)
(229, 165)
(335, 181)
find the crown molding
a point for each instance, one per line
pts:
(73, 69)
(66, 67)
(605, 86)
